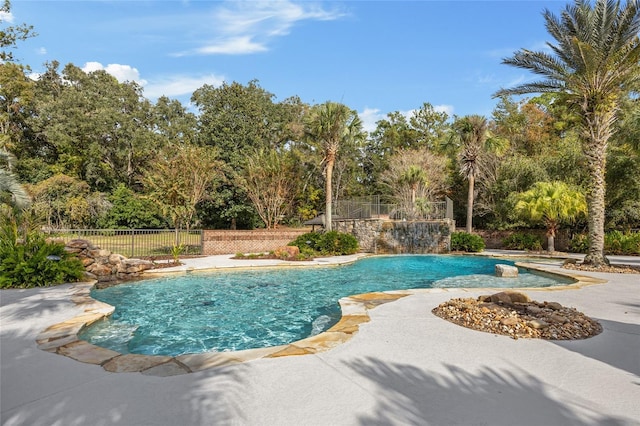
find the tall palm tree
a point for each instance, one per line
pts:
(331, 124)
(593, 64)
(472, 132)
(550, 203)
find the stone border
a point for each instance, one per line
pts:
(62, 338)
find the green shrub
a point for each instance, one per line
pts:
(307, 242)
(462, 241)
(615, 242)
(522, 241)
(579, 243)
(34, 262)
(328, 244)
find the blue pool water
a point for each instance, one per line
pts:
(234, 310)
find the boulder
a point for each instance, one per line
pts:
(115, 259)
(78, 244)
(509, 297)
(134, 266)
(506, 271)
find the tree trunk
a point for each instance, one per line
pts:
(470, 205)
(551, 247)
(328, 198)
(595, 149)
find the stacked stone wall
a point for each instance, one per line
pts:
(255, 241)
(394, 237)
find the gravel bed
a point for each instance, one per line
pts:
(513, 314)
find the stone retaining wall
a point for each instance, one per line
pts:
(385, 236)
(103, 265)
(255, 241)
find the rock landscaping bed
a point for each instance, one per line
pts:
(615, 269)
(513, 314)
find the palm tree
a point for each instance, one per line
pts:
(12, 193)
(593, 65)
(331, 125)
(413, 176)
(550, 203)
(472, 131)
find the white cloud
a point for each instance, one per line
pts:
(6, 17)
(176, 86)
(448, 109)
(245, 27)
(369, 117)
(121, 72)
(41, 51)
(232, 46)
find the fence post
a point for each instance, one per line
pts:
(132, 243)
(202, 241)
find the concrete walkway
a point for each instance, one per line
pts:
(405, 367)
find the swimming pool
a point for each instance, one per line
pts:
(235, 310)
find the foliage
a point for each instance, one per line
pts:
(269, 180)
(522, 241)
(616, 242)
(550, 204)
(176, 251)
(129, 210)
(66, 202)
(593, 67)
(180, 179)
(579, 243)
(415, 177)
(330, 243)
(472, 132)
(463, 241)
(12, 193)
(91, 127)
(33, 262)
(10, 35)
(330, 126)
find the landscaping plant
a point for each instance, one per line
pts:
(463, 241)
(34, 262)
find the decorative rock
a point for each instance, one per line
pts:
(105, 266)
(533, 309)
(509, 321)
(537, 324)
(553, 305)
(87, 261)
(509, 297)
(520, 319)
(115, 259)
(506, 271)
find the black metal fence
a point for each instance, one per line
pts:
(138, 242)
(371, 207)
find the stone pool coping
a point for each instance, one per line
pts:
(62, 338)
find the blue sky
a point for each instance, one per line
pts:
(374, 56)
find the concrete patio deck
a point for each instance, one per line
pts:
(405, 366)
